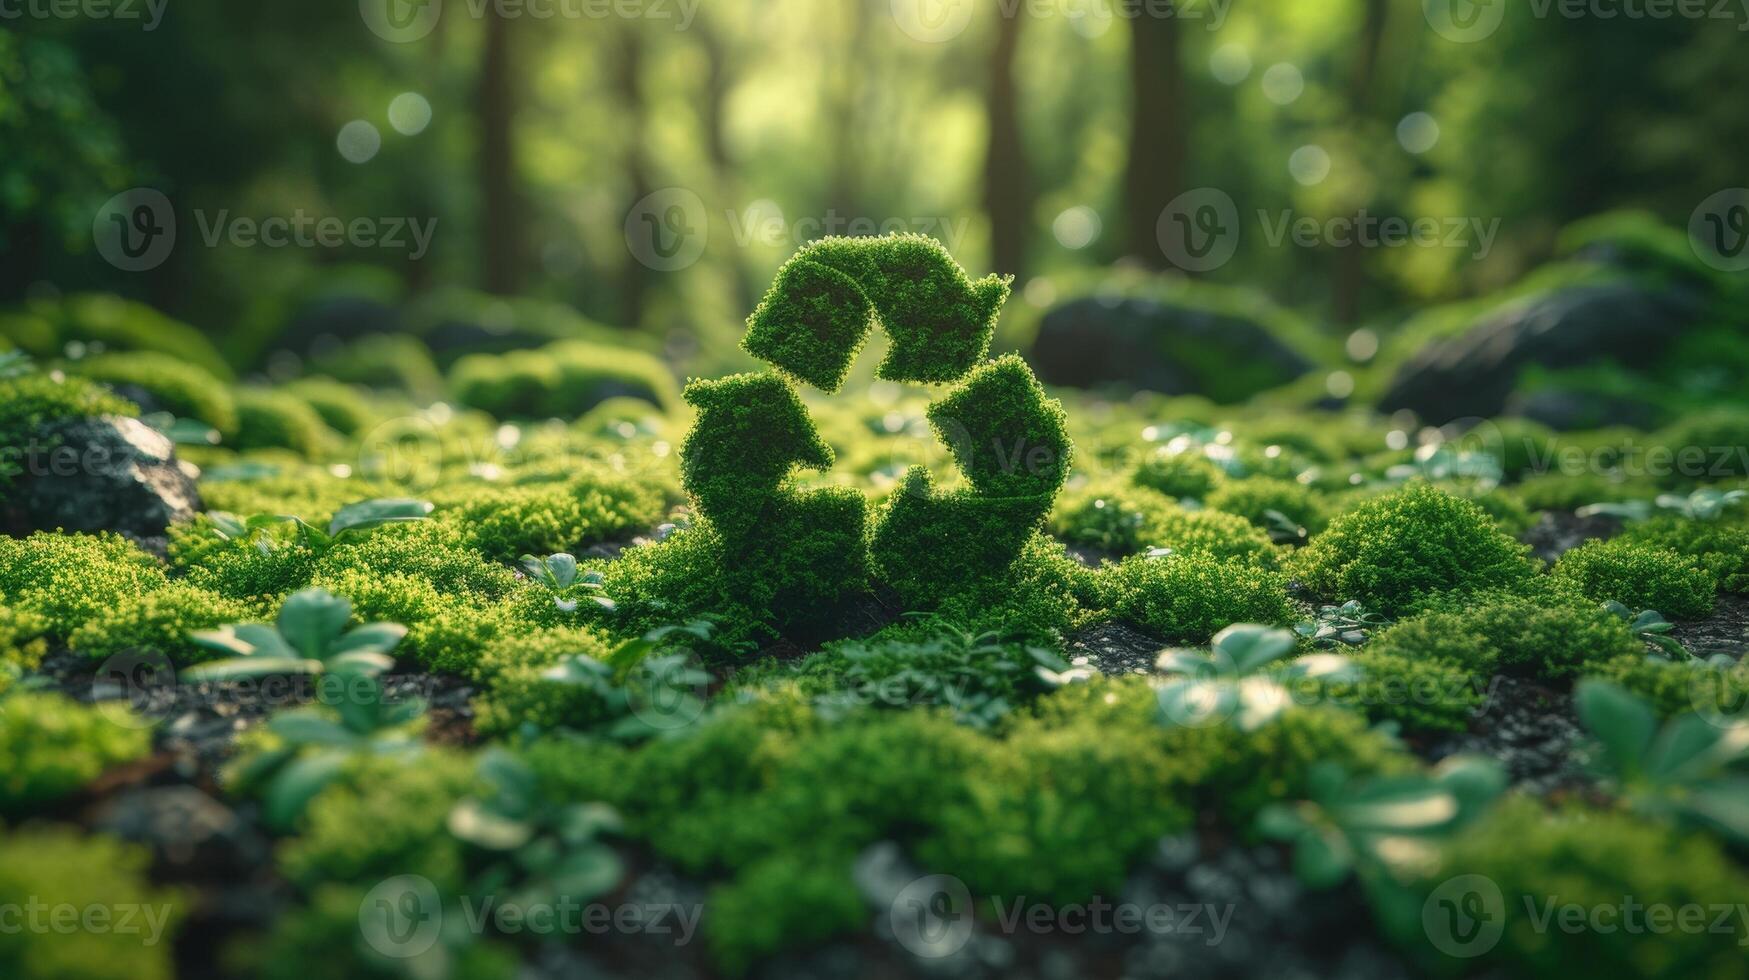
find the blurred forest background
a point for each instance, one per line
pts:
(1045, 143)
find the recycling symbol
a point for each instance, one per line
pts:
(815, 545)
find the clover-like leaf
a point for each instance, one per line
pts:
(367, 514)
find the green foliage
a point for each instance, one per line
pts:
(50, 327)
(395, 361)
(406, 808)
(817, 313)
(31, 400)
(1421, 694)
(310, 636)
(787, 901)
(1284, 506)
(277, 420)
(1543, 634)
(300, 753)
(342, 407)
(1393, 549)
(21, 642)
(1111, 517)
(1188, 597)
(1543, 863)
(54, 745)
(1721, 549)
(1178, 475)
(71, 578)
(1347, 625)
(1717, 686)
(158, 622)
(561, 380)
(572, 515)
(55, 868)
(1239, 680)
(180, 386)
(521, 694)
(1640, 575)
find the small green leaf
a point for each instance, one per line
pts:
(312, 620)
(1621, 722)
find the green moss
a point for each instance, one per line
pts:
(1392, 549)
(1178, 475)
(30, 401)
(542, 520)
(1722, 549)
(561, 380)
(1639, 576)
(1112, 517)
(182, 387)
(114, 323)
(787, 901)
(1007, 438)
(329, 921)
(1254, 497)
(241, 569)
(385, 360)
(1188, 598)
(313, 493)
(519, 694)
(276, 420)
(1592, 860)
(1678, 687)
(406, 808)
(54, 745)
(56, 868)
(1422, 694)
(160, 622)
(342, 407)
(685, 577)
(816, 315)
(21, 642)
(71, 578)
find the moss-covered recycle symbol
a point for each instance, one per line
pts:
(813, 545)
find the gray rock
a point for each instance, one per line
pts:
(107, 473)
(1473, 375)
(1142, 343)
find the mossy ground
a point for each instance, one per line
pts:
(849, 690)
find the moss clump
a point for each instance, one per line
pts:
(160, 622)
(543, 520)
(1188, 598)
(1722, 549)
(816, 314)
(406, 807)
(1253, 498)
(1640, 576)
(180, 386)
(1178, 475)
(54, 745)
(1006, 436)
(1544, 863)
(1422, 694)
(787, 901)
(21, 642)
(30, 401)
(241, 569)
(1391, 550)
(561, 380)
(688, 576)
(1679, 687)
(58, 868)
(1112, 517)
(276, 420)
(71, 578)
(518, 691)
(342, 407)
(329, 921)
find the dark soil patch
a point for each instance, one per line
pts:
(1558, 532)
(1114, 648)
(1530, 729)
(1725, 631)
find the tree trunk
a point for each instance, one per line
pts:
(500, 220)
(1159, 128)
(1007, 185)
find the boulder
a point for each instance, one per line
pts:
(105, 473)
(1147, 343)
(1474, 374)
